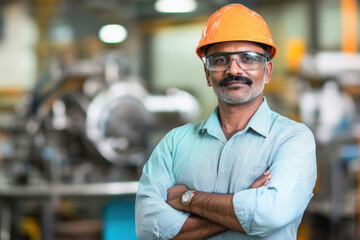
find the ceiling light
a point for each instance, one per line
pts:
(175, 6)
(112, 33)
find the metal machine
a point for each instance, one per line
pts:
(82, 114)
(85, 131)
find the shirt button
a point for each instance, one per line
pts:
(227, 148)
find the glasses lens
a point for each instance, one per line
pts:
(218, 62)
(249, 61)
(245, 60)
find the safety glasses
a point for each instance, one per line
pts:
(246, 60)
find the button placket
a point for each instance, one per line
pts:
(225, 163)
(224, 158)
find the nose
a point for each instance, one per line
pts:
(235, 67)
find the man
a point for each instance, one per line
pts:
(244, 173)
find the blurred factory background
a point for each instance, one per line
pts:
(82, 109)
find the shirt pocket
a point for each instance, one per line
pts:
(248, 176)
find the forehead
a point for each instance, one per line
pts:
(235, 46)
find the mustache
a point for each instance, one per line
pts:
(228, 79)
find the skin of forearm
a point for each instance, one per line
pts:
(196, 227)
(212, 210)
(217, 208)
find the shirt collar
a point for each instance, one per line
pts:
(260, 122)
(212, 126)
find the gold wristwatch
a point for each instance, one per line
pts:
(186, 199)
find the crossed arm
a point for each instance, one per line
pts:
(290, 188)
(211, 213)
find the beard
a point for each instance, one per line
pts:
(235, 97)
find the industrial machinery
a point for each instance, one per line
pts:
(330, 106)
(86, 130)
(88, 112)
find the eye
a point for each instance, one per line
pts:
(249, 59)
(219, 60)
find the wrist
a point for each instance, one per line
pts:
(186, 199)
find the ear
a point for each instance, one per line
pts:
(207, 74)
(269, 68)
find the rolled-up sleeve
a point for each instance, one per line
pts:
(265, 210)
(155, 219)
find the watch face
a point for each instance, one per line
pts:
(186, 196)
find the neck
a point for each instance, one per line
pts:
(234, 117)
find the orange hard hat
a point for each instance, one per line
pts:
(235, 22)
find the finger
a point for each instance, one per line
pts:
(265, 183)
(267, 177)
(264, 177)
(258, 182)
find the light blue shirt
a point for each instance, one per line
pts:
(199, 156)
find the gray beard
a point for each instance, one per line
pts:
(223, 95)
